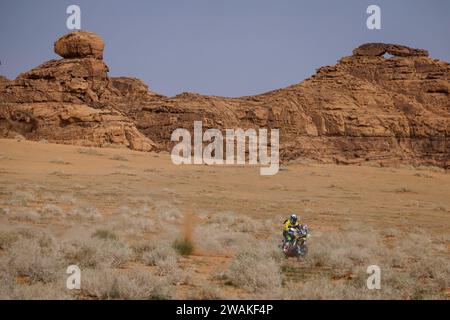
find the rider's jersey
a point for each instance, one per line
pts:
(288, 224)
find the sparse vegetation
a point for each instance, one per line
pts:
(403, 190)
(334, 269)
(118, 158)
(90, 152)
(96, 252)
(109, 284)
(184, 246)
(104, 234)
(254, 270)
(126, 232)
(60, 161)
(206, 291)
(159, 255)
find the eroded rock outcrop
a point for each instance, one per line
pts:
(379, 49)
(364, 108)
(69, 100)
(80, 44)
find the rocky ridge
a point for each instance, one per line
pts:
(367, 107)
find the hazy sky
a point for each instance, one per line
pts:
(227, 47)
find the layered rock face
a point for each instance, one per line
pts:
(364, 108)
(69, 100)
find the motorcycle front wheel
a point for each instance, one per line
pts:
(303, 250)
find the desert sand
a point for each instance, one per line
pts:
(396, 217)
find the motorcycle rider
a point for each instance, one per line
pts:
(292, 222)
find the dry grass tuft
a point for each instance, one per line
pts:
(94, 252)
(254, 270)
(136, 285)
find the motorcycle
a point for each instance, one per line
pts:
(296, 246)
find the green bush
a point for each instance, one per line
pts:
(183, 246)
(104, 234)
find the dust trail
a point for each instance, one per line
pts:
(187, 230)
(188, 226)
(190, 221)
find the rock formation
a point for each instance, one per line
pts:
(379, 49)
(69, 100)
(364, 108)
(80, 45)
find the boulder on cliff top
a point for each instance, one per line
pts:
(80, 44)
(379, 49)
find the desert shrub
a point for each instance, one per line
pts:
(21, 198)
(132, 225)
(7, 282)
(218, 239)
(416, 244)
(409, 266)
(323, 288)
(90, 253)
(179, 276)
(168, 266)
(68, 198)
(159, 254)
(164, 258)
(42, 238)
(205, 291)
(59, 161)
(141, 247)
(394, 258)
(238, 223)
(90, 152)
(183, 246)
(117, 253)
(167, 212)
(110, 284)
(10, 289)
(37, 261)
(403, 190)
(7, 238)
(389, 231)
(84, 211)
(396, 284)
(343, 251)
(430, 168)
(118, 158)
(224, 219)
(433, 272)
(104, 234)
(23, 214)
(143, 225)
(254, 270)
(85, 254)
(51, 211)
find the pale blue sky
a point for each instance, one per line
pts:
(228, 47)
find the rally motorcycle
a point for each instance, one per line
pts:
(295, 245)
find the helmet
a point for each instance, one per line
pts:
(293, 218)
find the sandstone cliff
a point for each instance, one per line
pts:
(69, 100)
(364, 108)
